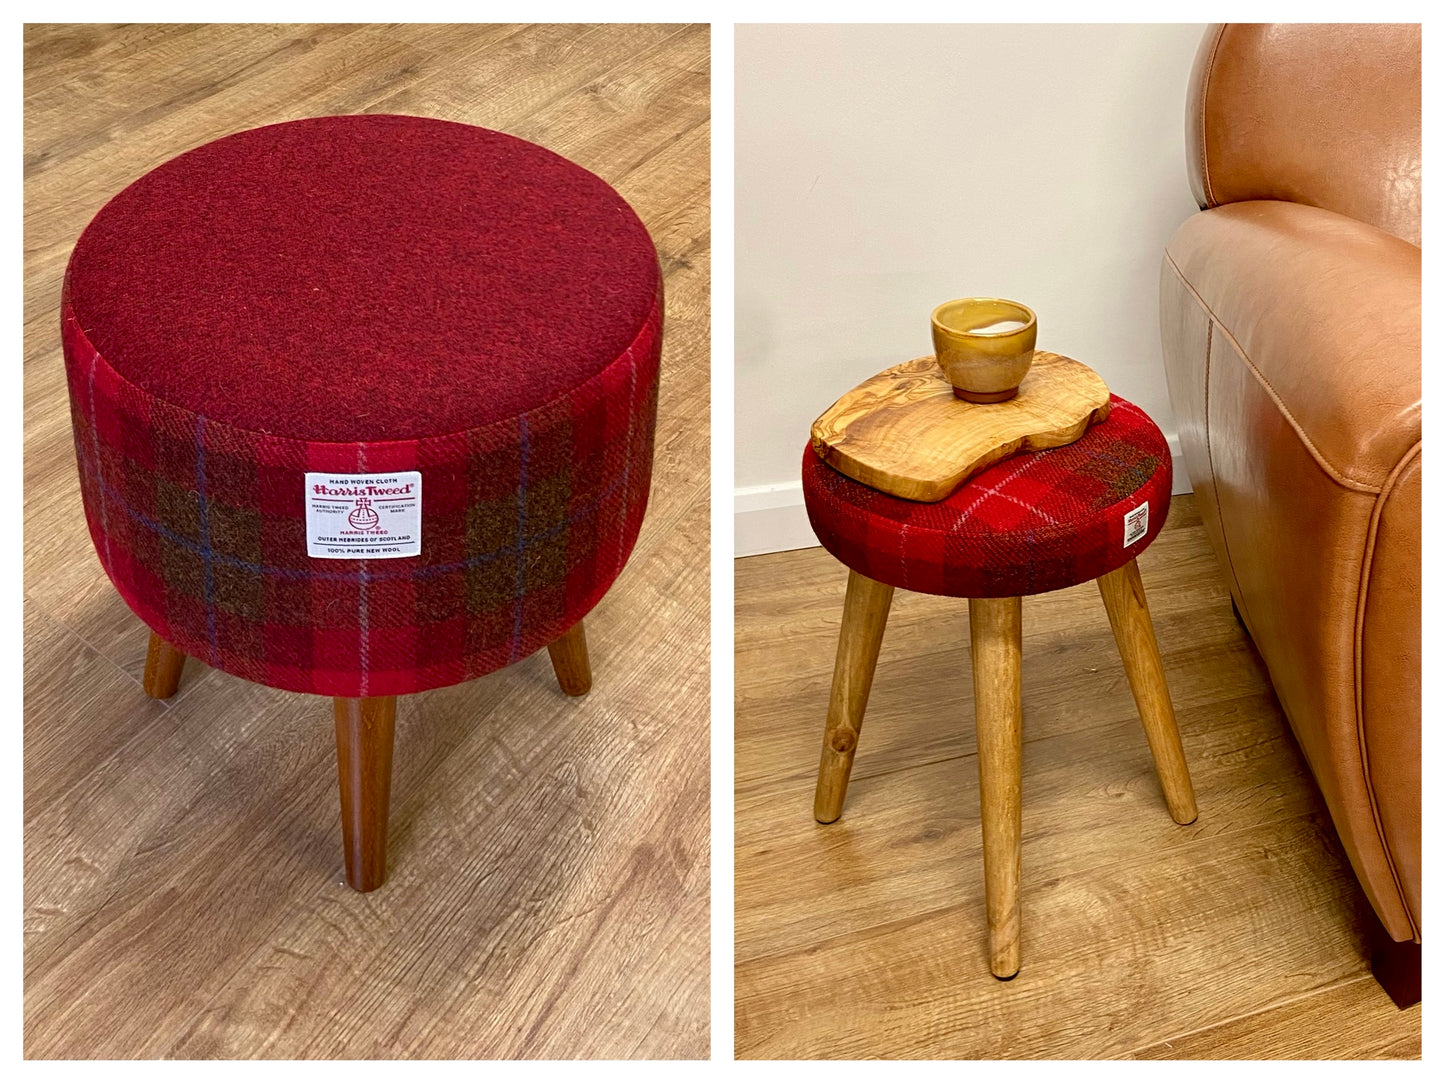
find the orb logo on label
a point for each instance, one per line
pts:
(363, 517)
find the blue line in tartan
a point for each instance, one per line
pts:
(205, 548)
(525, 446)
(350, 577)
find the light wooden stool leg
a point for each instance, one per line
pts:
(163, 669)
(364, 729)
(569, 661)
(1123, 594)
(996, 627)
(865, 613)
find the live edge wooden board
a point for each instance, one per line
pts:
(905, 433)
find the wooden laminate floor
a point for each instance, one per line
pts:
(1239, 936)
(549, 883)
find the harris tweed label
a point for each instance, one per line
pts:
(363, 516)
(1136, 524)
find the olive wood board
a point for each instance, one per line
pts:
(905, 433)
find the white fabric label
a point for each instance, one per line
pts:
(363, 516)
(1136, 524)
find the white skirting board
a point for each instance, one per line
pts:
(769, 519)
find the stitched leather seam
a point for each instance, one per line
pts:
(1366, 567)
(1237, 593)
(1329, 468)
(1203, 119)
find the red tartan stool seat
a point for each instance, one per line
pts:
(1032, 523)
(1029, 524)
(364, 406)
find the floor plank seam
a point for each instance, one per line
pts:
(669, 526)
(1115, 863)
(264, 945)
(65, 627)
(657, 152)
(1271, 1007)
(762, 787)
(621, 65)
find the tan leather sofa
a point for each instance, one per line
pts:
(1290, 313)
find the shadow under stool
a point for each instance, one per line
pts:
(1034, 523)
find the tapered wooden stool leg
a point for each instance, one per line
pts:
(569, 661)
(865, 613)
(1123, 594)
(163, 669)
(996, 627)
(364, 729)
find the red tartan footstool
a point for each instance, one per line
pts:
(364, 406)
(1033, 523)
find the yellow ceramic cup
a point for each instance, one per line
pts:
(985, 345)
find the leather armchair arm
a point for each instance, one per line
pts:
(1326, 310)
(1291, 340)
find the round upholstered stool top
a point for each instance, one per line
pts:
(363, 405)
(1031, 523)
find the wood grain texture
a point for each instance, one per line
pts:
(905, 433)
(1136, 931)
(569, 661)
(365, 736)
(163, 669)
(860, 633)
(996, 643)
(184, 891)
(1343, 1022)
(1128, 608)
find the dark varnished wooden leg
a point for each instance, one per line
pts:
(1123, 594)
(569, 661)
(996, 627)
(865, 613)
(1395, 964)
(163, 669)
(364, 729)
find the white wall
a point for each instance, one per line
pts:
(884, 169)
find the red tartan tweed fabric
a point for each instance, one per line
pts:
(1032, 523)
(438, 341)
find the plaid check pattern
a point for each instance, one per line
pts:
(525, 524)
(1032, 523)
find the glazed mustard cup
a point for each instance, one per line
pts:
(985, 345)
